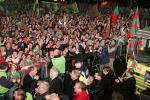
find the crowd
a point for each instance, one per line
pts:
(64, 57)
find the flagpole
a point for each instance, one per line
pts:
(38, 8)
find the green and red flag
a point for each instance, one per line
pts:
(35, 8)
(135, 22)
(73, 8)
(21, 25)
(131, 13)
(100, 7)
(18, 24)
(114, 15)
(56, 7)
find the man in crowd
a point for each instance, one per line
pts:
(5, 84)
(69, 82)
(59, 61)
(42, 90)
(54, 81)
(30, 80)
(80, 92)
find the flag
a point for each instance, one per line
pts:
(99, 13)
(21, 25)
(135, 22)
(130, 47)
(56, 7)
(108, 26)
(101, 7)
(131, 13)
(114, 15)
(35, 8)
(73, 8)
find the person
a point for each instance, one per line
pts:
(52, 96)
(69, 82)
(42, 90)
(54, 81)
(5, 84)
(120, 62)
(112, 50)
(3, 69)
(90, 86)
(126, 85)
(9, 49)
(13, 74)
(103, 55)
(59, 61)
(84, 72)
(80, 92)
(108, 82)
(68, 56)
(13, 58)
(21, 44)
(2, 59)
(19, 94)
(30, 80)
(97, 91)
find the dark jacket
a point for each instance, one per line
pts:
(119, 65)
(69, 86)
(29, 84)
(97, 90)
(128, 87)
(55, 85)
(107, 84)
(104, 56)
(5, 83)
(69, 57)
(41, 97)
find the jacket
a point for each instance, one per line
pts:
(104, 56)
(81, 96)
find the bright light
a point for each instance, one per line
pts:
(141, 48)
